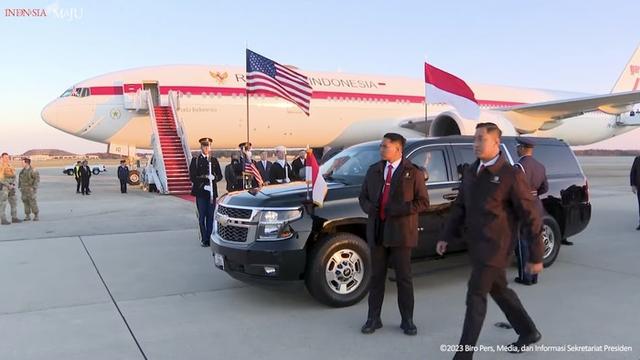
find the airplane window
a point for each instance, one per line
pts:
(67, 92)
(85, 92)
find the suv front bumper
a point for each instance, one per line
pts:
(263, 261)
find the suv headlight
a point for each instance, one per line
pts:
(274, 224)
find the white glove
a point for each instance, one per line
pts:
(211, 177)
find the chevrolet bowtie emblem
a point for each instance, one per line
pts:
(223, 220)
(220, 77)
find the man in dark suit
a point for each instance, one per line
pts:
(280, 171)
(634, 177)
(536, 176)
(233, 183)
(123, 176)
(392, 195)
(296, 165)
(85, 175)
(201, 173)
(492, 195)
(264, 166)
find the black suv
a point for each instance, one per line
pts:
(268, 235)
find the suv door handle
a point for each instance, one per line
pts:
(450, 196)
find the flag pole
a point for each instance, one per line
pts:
(308, 175)
(246, 48)
(426, 106)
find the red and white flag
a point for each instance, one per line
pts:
(313, 177)
(442, 87)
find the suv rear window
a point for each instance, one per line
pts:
(557, 159)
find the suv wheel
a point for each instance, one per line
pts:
(552, 239)
(96, 171)
(339, 269)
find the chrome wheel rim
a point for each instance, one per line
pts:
(548, 238)
(344, 271)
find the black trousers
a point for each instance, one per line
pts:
(123, 186)
(491, 280)
(78, 183)
(400, 258)
(85, 186)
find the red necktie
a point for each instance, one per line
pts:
(480, 168)
(385, 192)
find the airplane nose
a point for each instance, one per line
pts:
(62, 116)
(48, 115)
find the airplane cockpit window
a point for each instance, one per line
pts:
(67, 92)
(80, 92)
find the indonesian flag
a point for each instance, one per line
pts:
(442, 87)
(315, 179)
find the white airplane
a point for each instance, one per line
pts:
(345, 109)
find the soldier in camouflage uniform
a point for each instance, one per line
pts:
(8, 192)
(28, 181)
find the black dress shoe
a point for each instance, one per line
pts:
(371, 326)
(205, 243)
(520, 281)
(566, 242)
(638, 228)
(524, 341)
(409, 328)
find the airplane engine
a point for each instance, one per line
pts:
(450, 123)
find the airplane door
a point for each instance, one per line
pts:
(152, 86)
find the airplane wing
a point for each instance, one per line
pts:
(531, 117)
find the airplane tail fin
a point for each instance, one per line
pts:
(629, 80)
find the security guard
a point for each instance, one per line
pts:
(76, 174)
(492, 196)
(536, 176)
(28, 182)
(634, 177)
(205, 197)
(8, 192)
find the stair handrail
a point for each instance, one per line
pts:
(157, 147)
(174, 104)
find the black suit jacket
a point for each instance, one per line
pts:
(198, 172)
(264, 172)
(407, 198)
(277, 172)
(634, 176)
(486, 212)
(84, 173)
(296, 165)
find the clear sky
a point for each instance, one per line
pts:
(566, 45)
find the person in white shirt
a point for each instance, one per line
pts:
(280, 171)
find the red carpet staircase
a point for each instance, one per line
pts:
(175, 162)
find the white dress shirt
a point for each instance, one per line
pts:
(394, 164)
(488, 163)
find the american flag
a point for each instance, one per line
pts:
(267, 76)
(250, 167)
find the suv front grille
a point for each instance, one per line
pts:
(235, 213)
(233, 233)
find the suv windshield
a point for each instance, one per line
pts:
(350, 165)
